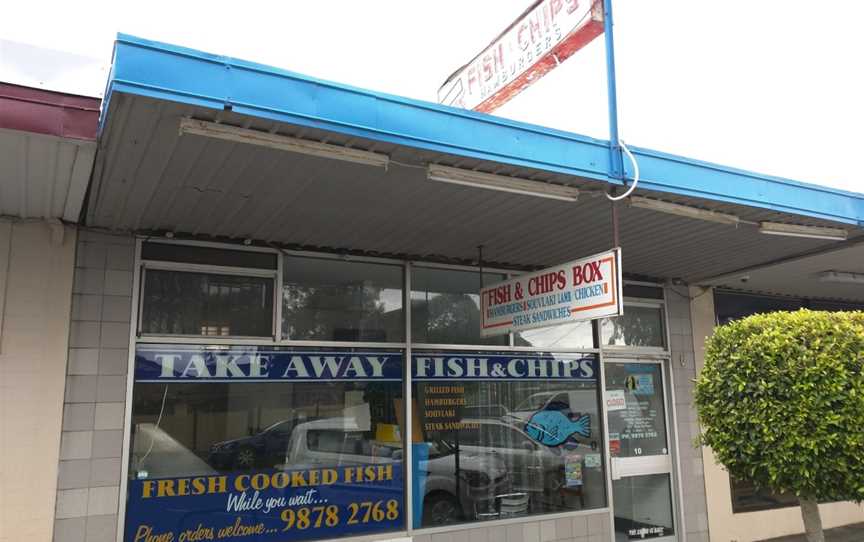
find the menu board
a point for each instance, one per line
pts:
(442, 406)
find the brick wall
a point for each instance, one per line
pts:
(88, 481)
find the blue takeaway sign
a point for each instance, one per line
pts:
(166, 363)
(162, 363)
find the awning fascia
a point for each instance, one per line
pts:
(178, 74)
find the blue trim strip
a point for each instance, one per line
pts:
(183, 75)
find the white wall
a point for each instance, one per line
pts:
(35, 297)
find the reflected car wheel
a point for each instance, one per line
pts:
(245, 458)
(440, 509)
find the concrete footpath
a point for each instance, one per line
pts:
(850, 533)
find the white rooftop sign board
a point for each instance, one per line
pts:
(546, 34)
(583, 289)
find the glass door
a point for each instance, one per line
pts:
(639, 448)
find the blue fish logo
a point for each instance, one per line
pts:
(553, 427)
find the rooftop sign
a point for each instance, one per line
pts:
(545, 35)
(583, 289)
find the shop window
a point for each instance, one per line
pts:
(640, 428)
(193, 254)
(445, 307)
(643, 291)
(643, 507)
(836, 306)
(747, 498)
(207, 304)
(334, 300)
(278, 443)
(730, 306)
(504, 435)
(639, 326)
(574, 335)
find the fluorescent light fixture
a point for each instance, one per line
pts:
(283, 143)
(501, 183)
(683, 210)
(797, 230)
(842, 277)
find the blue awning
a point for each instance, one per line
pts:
(177, 74)
(149, 178)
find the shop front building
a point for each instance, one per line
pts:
(358, 394)
(277, 332)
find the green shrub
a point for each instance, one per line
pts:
(781, 402)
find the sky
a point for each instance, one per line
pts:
(773, 86)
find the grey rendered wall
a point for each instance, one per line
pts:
(683, 373)
(88, 482)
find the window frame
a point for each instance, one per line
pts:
(407, 346)
(738, 508)
(406, 264)
(341, 257)
(601, 420)
(401, 264)
(663, 351)
(508, 274)
(127, 450)
(178, 267)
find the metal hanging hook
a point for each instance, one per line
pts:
(635, 174)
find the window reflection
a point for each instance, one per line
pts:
(445, 306)
(748, 498)
(522, 444)
(506, 446)
(643, 507)
(638, 326)
(174, 252)
(309, 436)
(638, 429)
(573, 335)
(335, 300)
(212, 427)
(184, 303)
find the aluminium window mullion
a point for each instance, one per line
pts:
(407, 406)
(210, 269)
(277, 298)
(207, 270)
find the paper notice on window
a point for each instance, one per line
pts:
(615, 400)
(572, 469)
